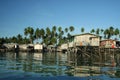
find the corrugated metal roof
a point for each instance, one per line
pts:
(86, 34)
(108, 40)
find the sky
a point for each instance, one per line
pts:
(16, 15)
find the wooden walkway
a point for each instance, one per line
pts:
(91, 54)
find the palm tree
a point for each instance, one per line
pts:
(69, 35)
(102, 31)
(65, 38)
(82, 29)
(29, 31)
(111, 31)
(106, 34)
(19, 38)
(98, 31)
(117, 32)
(47, 36)
(92, 31)
(59, 29)
(26, 40)
(6, 39)
(54, 29)
(59, 35)
(26, 31)
(66, 30)
(37, 34)
(14, 39)
(42, 31)
(2, 41)
(62, 32)
(48, 32)
(71, 28)
(53, 41)
(46, 40)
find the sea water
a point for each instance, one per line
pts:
(51, 66)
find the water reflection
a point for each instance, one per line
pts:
(59, 64)
(95, 64)
(51, 64)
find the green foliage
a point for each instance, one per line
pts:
(55, 35)
(60, 29)
(71, 28)
(117, 32)
(2, 40)
(15, 39)
(82, 29)
(66, 30)
(37, 33)
(29, 31)
(98, 31)
(92, 31)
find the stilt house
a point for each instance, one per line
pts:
(86, 39)
(109, 43)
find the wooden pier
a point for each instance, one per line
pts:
(89, 55)
(89, 60)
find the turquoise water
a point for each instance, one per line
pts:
(51, 66)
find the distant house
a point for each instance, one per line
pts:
(10, 45)
(23, 47)
(64, 46)
(109, 43)
(38, 47)
(86, 39)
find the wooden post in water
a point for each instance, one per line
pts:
(100, 55)
(68, 57)
(75, 52)
(113, 58)
(105, 55)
